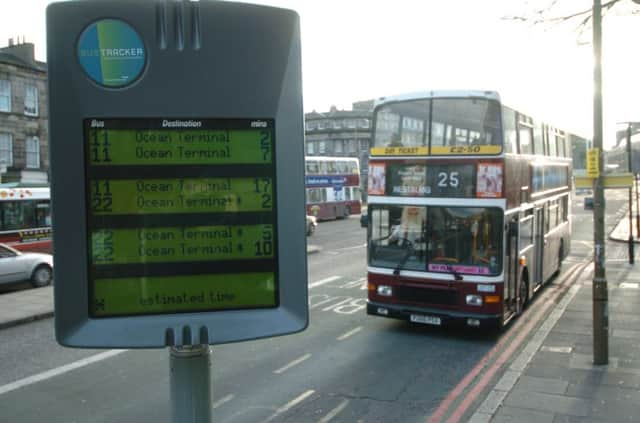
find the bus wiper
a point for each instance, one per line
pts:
(404, 258)
(456, 275)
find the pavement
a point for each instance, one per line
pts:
(553, 379)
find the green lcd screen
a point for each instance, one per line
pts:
(181, 215)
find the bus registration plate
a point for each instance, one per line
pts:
(427, 320)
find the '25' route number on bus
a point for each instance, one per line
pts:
(446, 180)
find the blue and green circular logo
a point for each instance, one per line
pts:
(111, 53)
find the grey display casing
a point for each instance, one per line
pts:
(208, 60)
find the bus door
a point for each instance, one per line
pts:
(539, 242)
(511, 269)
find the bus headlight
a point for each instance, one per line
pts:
(384, 290)
(474, 300)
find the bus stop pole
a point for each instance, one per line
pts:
(191, 384)
(635, 178)
(630, 156)
(599, 290)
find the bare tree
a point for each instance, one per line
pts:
(553, 12)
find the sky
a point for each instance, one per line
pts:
(356, 50)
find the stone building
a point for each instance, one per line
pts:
(24, 141)
(342, 133)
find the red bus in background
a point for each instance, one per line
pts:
(25, 219)
(468, 208)
(332, 186)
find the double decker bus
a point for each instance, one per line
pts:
(25, 218)
(468, 208)
(332, 187)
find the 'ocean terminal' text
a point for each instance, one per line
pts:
(149, 245)
(194, 195)
(109, 147)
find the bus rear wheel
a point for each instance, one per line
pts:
(524, 293)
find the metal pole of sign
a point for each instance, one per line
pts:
(599, 289)
(635, 177)
(631, 242)
(191, 384)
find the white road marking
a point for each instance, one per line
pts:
(323, 281)
(564, 350)
(293, 363)
(290, 405)
(629, 285)
(334, 412)
(58, 371)
(350, 333)
(223, 400)
(346, 300)
(355, 247)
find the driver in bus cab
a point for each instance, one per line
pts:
(409, 229)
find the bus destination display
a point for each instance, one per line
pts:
(181, 215)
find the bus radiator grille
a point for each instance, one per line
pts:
(426, 295)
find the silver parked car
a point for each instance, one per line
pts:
(18, 266)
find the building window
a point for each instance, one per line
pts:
(5, 95)
(31, 100)
(6, 149)
(310, 148)
(338, 146)
(33, 153)
(321, 147)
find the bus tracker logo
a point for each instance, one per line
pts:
(111, 53)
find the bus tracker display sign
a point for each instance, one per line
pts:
(165, 244)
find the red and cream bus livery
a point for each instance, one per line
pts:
(332, 187)
(468, 208)
(25, 219)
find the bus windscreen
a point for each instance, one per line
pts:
(465, 240)
(441, 126)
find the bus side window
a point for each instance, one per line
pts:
(312, 167)
(509, 123)
(43, 214)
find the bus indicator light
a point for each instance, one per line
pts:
(491, 299)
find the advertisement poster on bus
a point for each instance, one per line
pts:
(377, 179)
(489, 180)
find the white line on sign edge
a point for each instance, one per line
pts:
(223, 400)
(58, 371)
